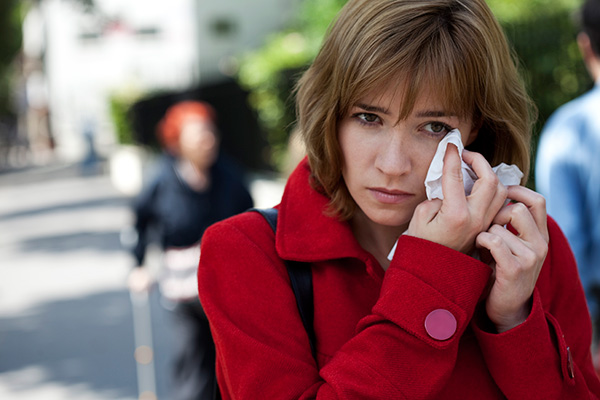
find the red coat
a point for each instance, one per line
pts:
(369, 324)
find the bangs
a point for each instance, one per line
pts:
(432, 61)
(442, 70)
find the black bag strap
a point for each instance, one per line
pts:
(301, 278)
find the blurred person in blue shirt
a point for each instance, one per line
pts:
(568, 165)
(194, 187)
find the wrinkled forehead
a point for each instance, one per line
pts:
(406, 90)
(448, 72)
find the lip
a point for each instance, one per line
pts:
(390, 196)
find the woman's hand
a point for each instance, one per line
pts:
(456, 221)
(518, 258)
(139, 280)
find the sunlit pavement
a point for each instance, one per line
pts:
(66, 329)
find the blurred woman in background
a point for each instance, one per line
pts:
(194, 188)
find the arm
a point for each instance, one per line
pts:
(559, 178)
(245, 291)
(518, 256)
(548, 356)
(139, 279)
(144, 217)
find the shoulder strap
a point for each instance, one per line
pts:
(301, 279)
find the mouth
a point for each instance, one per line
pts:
(390, 196)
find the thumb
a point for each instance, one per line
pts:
(452, 178)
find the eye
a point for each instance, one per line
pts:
(437, 129)
(367, 118)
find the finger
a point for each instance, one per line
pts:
(478, 163)
(452, 179)
(535, 202)
(495, 244)
(495, 204)
(425, 212)
(488, 194)
(515, 244)
(521, 219)
(514, 258)
(487, 191)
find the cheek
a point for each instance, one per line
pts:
(423, 161)
(345, 141)
(358, 146)
(352, 156)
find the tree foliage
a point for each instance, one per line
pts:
(10, 44)
(269, 73)
(543, 34)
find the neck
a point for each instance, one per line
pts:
(594, 69)
(197, 178)
(375, 238)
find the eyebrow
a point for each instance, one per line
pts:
(370, 108)
(420, 114)
(434, 114)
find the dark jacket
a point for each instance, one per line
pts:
(178, 215)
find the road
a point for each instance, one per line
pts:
(66, 326)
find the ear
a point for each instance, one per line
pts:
(583, 40)
(590, 58)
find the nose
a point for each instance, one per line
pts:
(205, 139)
(209, 138)
(395, 156)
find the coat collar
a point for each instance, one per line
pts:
(304, 232)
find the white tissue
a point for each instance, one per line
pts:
(507, 174)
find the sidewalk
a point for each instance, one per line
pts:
(65, 314)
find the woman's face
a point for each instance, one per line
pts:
(198, 142)
(384, 162)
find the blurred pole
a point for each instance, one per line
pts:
(144, 351)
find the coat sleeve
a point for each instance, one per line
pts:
(261, 343)
(145, 217)
(548, 356)
(564, 181)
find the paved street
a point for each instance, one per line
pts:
(66, 326)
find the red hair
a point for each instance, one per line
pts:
(169, 127)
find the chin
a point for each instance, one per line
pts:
(389, 218)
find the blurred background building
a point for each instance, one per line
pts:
(85, 62)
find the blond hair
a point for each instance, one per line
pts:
(453, 46)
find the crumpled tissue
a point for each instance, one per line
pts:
(507, 174)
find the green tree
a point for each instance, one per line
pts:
(269, 73)
(543, 34)
(10, 44)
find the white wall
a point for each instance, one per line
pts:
(253, 21)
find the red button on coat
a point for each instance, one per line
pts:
(440, 324)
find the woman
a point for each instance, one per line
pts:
(193, 189)
(481, 299)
